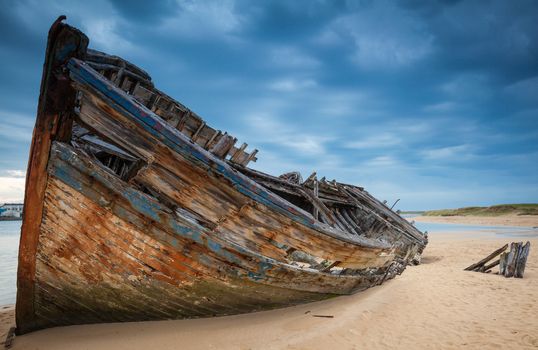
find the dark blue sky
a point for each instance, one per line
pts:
(433, 102)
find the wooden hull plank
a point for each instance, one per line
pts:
(52, 123)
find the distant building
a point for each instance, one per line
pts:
(11, 210)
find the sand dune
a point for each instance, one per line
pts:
(432, 306)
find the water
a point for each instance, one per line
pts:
(9, 248)
(501, 231)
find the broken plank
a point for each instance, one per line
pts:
(511, 259)
(486, 259)
(490, 266)
(522, 260)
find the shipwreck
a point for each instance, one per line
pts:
(136, 209)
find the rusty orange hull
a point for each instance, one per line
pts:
(135, 209)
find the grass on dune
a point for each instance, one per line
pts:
(494, 210)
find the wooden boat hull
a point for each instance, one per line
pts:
(181, 233)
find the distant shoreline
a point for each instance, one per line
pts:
(494, 210)
(10, 218)
(500, 220)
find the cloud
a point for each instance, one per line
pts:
(11, 189)
(290, 57)
(384, 36)
(381, 161)
(199, 20)
(441, 107)
(458, 152)
(105, 35)
(16, 173)
(291, 85)
(378, 141)
(468, 86)
(16, 127)
(269, 130)
(525, 90)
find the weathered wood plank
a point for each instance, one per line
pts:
(490, 266)
(486, 259)
(55, 102)
(522, 259)
(223, 146)
(511, 259)
(502, 263)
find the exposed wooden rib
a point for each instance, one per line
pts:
(181, 124)
(142, 94)
(223, 146)
(338, 223)
(352, 221)
(404, 226)
(323, 211)
(197, 132)
(176, 116)
(250, 158)
(349, 219)
(310, 180)
(238, 154)
(342, 221)
(210, 141)
(316, 194)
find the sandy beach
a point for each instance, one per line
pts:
(501, 220)
(436, 305)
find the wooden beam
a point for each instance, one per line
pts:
(511, 260)
(490, 266)
(210, 141)
(223, 146)
(237, 155)
(250, 158)
(197, 132)
(316, 193)
(56, 101)
(486, 259)
(522, 259)
(323, 211)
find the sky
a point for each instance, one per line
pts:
(431, 102)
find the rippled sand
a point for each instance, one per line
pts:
(436, 305)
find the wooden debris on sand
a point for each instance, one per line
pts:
(511, 263)
(8, 343)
